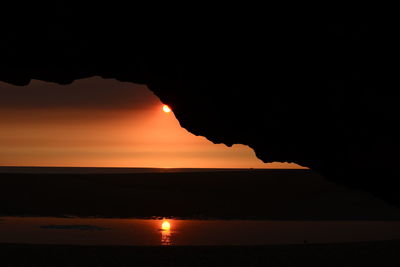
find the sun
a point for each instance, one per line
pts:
(166, 109)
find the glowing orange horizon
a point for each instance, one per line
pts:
(138, 134)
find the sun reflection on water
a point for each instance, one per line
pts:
(166, 233)
(166, 226)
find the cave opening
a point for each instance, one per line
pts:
(96, 122)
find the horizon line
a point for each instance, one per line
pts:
(116, 167)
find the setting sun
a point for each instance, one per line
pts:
(166, 109)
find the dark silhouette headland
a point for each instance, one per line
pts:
(185, 193)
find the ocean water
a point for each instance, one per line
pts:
(158, 232)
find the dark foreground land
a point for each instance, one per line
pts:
(269, 194)
(248, 194)
(379, 254)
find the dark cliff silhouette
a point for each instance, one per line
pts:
(319, 95)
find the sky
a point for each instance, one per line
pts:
(97, 122)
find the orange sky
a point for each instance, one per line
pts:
(104, 123)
